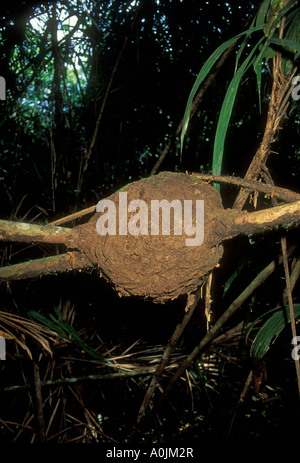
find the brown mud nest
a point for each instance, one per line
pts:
(143, 255)
(159, 267)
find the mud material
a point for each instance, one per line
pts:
(137, 260)
(156, 266)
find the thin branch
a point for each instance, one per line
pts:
(196, 102)
(77, 215)
(280, 89)
(47, 265)
(192, 302)
(236, 304)
(208, 300)
(241, 399)
(39, 403)
(293, 279)
(236, 223)
(292, 315)
(79, 379)
(273, 191)
(198, 98)
(95, 134)
(29, 233)
(253, 185)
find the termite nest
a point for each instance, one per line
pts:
(159, 267)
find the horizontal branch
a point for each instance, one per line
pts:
(47, 265)
(234, 223)
(267, 218)
(234, 306)
(69, 381)
(30, 233)
(77, 215)
(252, 185)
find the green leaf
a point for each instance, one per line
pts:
(271, 329)
(291, 45)
(262, 13)
(206, 68)
(275, 14)
(258, 71)
(243, 45)
(234, 275)
(293, 48)
(293, 33)
(226, 110)
(265, 53)
(64, 330)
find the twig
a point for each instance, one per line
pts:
(190, 307)
(293, 279)
(53, 169)
(208, 300)
(276, 111)
(38, 403)
(46, 265)
(196, 102)
(29, 233)
(273, 191)
(77, 215)
(253, 185)
(236, 304)
(79, 379)
(241, 399)
(95, 134)
(198, 98)
(289, 294)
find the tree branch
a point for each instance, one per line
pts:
(29, 233)
(252, 185)
(198, 98)
(233, 223)
(84, 168)
(192, 302)
(281, 88)
(234, 306)
(45, 266)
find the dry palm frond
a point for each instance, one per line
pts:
(147, 357)
(16, 328)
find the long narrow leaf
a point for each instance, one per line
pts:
(205, 71)
(64, 330)
(291, 45)
(234, 275)
(226, 110)
(271, 329)
(259, 20)
(258, 72)
(265, 53)
(262, 12)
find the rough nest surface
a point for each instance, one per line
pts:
(156, 267)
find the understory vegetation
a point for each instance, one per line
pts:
(103, 93)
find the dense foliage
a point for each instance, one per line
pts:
(95, 92)
(59, 59)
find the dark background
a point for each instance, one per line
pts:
(47, 124)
